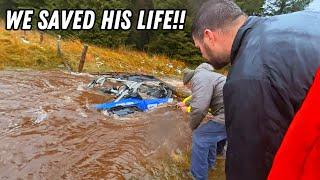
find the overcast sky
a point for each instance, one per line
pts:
(314, 5)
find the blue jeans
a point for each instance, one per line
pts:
(204, 147)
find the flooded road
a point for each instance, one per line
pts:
(49, 131)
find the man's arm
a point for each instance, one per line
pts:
(185, 104)
(202, 90)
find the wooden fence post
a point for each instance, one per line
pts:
(83, 58)
(41, 37)
(59, 46)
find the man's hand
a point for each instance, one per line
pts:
(181, 104)
(184, 108)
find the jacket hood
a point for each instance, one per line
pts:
(205, 66)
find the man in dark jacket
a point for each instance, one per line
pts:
(274, 61)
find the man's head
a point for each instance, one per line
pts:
(187, 76)
(214, 29)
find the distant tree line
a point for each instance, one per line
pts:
(176, 44)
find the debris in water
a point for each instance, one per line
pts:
(82, 113)
(41, 115)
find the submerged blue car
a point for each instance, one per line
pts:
(133, 95)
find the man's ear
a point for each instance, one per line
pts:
(210, 36)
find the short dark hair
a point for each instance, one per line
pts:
(215, 14)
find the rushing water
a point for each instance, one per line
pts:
(49, 131)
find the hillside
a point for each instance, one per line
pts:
(23, 50)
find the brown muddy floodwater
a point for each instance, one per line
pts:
(49, 131)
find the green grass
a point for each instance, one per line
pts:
(27, 52)
(177, 166)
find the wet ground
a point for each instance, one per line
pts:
(49, 131)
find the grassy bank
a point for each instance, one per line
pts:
(177, 166)
(24, 50)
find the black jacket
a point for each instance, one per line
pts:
(274, 61)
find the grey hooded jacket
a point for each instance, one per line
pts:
(207, 93)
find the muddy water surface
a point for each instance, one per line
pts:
(49, 131)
